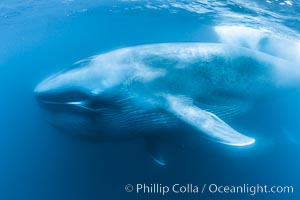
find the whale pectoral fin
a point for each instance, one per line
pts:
(156, 149)
(225, 111)
(206, 122)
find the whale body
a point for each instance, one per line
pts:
(154, 89)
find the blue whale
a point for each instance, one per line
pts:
(148, 90)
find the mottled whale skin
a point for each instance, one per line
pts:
(150, 89)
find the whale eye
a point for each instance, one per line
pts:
(107, 101)
(96, 104)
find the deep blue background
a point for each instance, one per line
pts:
(38, 162)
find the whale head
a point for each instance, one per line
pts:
(82, 99)
(71, 86)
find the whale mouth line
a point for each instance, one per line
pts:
(63, 103)
(85, 105)
(70, 98)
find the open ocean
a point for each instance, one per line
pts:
(40, 38)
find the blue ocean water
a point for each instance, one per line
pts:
(39, 38)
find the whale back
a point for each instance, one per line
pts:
(209, 70)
